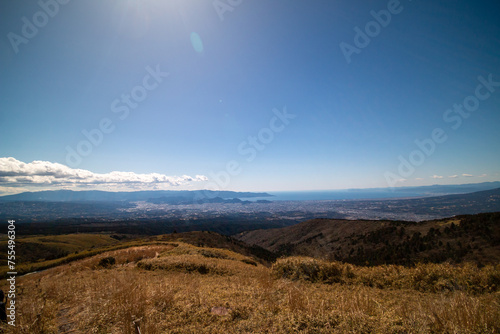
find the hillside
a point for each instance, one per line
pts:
(36, 253)
(473, 238)
(175, 287)
(33, 249)
(204, 282)
(215, 240)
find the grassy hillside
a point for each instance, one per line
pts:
(203, 282)
(42, 248)
(474, 238)
(36, 253)
(177, 287)
(212, 239)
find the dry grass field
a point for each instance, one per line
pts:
(34, 252)
(180, 288)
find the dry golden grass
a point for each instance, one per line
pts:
(81, 297)
(429, 277)
(202, 260)
(24, 268)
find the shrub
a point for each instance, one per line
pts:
(107, 262)
(214, 254)
(308, 269)
(187, 264)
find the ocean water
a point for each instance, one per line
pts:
(336, 195)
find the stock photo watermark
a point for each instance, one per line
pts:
(120, 106)
(30, 27)
(224, 6)
(10, 308)
(249, 150)
(372, 29)
(454, 116)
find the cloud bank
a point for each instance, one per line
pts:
(15, 173)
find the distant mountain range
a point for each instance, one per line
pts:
(163, 196)
(148, 205)
(440, 206)
(208, 196)
(434, 190)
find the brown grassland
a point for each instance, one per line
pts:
(175, 287)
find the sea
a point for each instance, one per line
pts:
(353, 194)
(377, 193)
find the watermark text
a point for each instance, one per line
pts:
(120, 106)
(454, 116)
(30, 28)
(11, 264)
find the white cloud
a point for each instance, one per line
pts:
(436, 177)
(483, 175)
(15, 173)
(453, 176)
(467, 175)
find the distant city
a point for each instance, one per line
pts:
(189, 206)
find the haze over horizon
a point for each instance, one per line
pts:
(253, 96)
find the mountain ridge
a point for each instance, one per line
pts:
(145, 195)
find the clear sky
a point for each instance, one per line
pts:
(248, 95)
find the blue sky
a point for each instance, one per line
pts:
(234, 71)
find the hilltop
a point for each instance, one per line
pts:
(41, 252)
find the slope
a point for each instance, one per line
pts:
(175, 287)
(463, 238)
